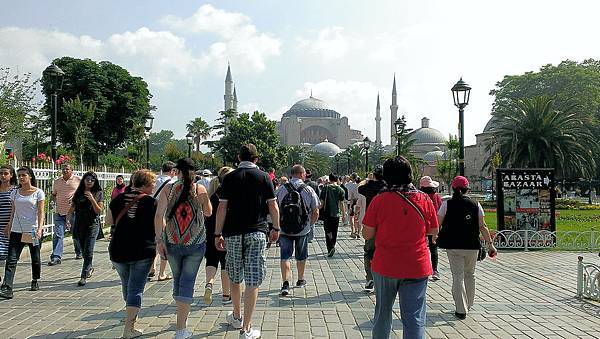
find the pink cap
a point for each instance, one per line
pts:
(426, 181)
(460, 182)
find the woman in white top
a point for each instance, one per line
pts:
(26, 222)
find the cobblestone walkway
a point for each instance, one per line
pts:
(522, 295)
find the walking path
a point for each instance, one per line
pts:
(522, 295)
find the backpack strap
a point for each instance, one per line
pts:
(160, 188)
(130, 205)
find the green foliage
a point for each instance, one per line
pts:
(78, 116)
(117, 161)
(200, 129)
(318, 163)
(535, 133)
(159, 140)
(16, 101)
(122, 102)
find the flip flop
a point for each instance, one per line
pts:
(166, 277)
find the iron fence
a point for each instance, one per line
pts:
(565, 240)
(588, 280)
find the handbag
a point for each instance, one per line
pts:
(26, 237)
(482, 251)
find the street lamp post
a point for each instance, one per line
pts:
(189, 138)
(34, 134)
(224, 157)
(348, 159)
(337, 164)
(148, 128)
(56, 76)
(366, 146)
(399, 124)
(461, 92)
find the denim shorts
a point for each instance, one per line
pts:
(291, 244)
(246, 259)
(185, 263)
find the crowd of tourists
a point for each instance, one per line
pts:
(185, 215)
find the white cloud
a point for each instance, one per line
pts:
(330, 44)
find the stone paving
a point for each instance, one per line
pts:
(521, 295)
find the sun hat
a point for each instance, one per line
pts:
(206, 173)
(426, 181)
(460, 182)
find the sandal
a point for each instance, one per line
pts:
(166, 277)
(226, 299)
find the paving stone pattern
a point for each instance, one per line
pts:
(521, 295)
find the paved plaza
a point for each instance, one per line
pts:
(521, 295)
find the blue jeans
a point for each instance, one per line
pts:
(133, 276)
(87, 241)
(413, 308)
(185, 263)
(289, 245)
(59, 235)
(311, 234)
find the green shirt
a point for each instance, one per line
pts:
(332, 195)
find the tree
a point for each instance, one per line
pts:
(122, 102)
(16, 101)
(158, 141)
(78, 117)
(256, 129)
(357, 158)
(535, 133)
(200, 129)
(318, 163)
(404, 139)
(447, 168)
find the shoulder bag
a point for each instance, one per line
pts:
(130, 205)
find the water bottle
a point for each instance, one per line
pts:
(34, 239)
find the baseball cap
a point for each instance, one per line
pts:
(426, 181)
(206, 173)
(460, 182)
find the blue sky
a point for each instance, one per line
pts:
(345, 51)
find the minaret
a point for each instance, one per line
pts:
(235, 101)
(228, 90)
(394, 113)
(377, 122)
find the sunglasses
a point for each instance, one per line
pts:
(90, 179)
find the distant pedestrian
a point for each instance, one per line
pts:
(181, 236)
(206, 178)
(63, 189)
(315, 186)
(214, 257)
(26, 227)
(299, 210)
(351, 186)
(132, 248)
(242, 229)
(87, 205)
(8, 183)
(168, 176)
(332, 200)
(399, 219)
(462, 220)
(429, 186)
(119, 187)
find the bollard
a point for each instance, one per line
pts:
(579, 276)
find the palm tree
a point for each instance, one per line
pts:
(536, 134)
(200, 129)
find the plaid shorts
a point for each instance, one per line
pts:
(246, 259)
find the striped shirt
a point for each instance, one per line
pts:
(5, 209)
(64, 190)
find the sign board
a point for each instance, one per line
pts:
(526, 199)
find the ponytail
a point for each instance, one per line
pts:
(458, 193)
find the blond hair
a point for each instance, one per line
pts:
(142, 178)
(215, 182)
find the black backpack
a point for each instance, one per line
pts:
(293, 211)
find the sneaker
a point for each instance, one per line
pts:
(78, 257)
(34, 285)
(183, 334)
(81, 282)
(231, 320)
(251, 334)
(54, 262)
(435, 276)
(331, 252)
(301, 283)
(226, 300)
(91, 272)
(370, 286)
(208, 294)
(6, 292)
(460, 316)
(285, 289)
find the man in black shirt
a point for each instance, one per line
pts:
(241, 228)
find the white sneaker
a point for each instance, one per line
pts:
(183, 334)
(231, 320)
(252, 334)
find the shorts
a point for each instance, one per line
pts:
(246, 259)
(352, 204)
(288, 244)
(213, 256)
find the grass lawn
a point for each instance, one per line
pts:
(566, 220)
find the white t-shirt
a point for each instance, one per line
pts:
(444, 208)
(26, 210)
(352, 190)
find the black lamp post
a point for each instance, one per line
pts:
(399, 124)
(348, 159)
(56, 76)
(225, 157)
(366, 146)
(34, 135)
(337, 164)
(190, 140)
(461, 92)
(148, 128)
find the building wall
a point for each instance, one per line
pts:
(291, 129)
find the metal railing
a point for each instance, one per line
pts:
(588, 280)
(565, 240)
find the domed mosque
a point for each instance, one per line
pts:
(312, 121)
(429, 143)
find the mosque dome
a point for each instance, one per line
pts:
(434, 156)
(427, 135)
(311, 108)
(327, 148)
(490, 124)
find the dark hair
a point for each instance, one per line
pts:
(248, 152)
(30, 173)
(13, 175)
(167, 166)
(397, 171)
(333, 178)
(79, 191)
(458, 193)
(428, 190)
(185, 192)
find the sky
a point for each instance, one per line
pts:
(346, 52)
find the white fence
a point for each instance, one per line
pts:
(588, 280)
(566, 240)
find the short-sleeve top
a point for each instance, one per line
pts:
(26, 210)
(247, 191)
(402, 251)
(84, 211)
(332, 195)
(185, 226)
(64, 190)
(308, 195)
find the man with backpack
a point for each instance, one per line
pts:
(298, 210)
